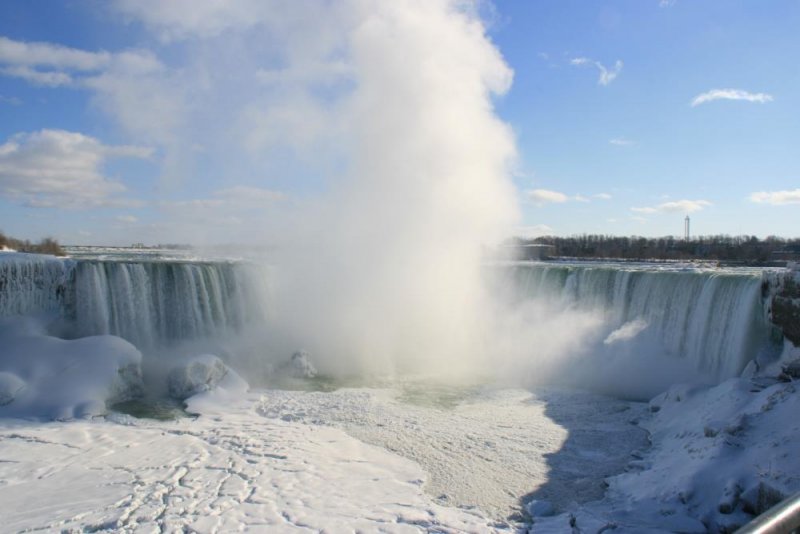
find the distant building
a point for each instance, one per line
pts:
(137, 245)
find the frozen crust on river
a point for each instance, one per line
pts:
(212, 474)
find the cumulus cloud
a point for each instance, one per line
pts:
(546, 196)
(607, 75)
(132, 86)
(776, 198)
(57, 168)
(677, 206)
(730, 94)
(540, 197)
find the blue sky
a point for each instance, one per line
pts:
(123, 122)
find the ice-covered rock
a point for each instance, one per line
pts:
(719, 455)
(50, 378)
(538, 508)
(299, 366)
(202, 373)
(10, 386)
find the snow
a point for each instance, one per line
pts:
(239, 471)
(719, 455)
(484, 448)
(50, 378)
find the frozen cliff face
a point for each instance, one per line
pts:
(145, 302)
(32, 283)
(786, 307)
(44, 377)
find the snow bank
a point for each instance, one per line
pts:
(719, 457)
(51, 378)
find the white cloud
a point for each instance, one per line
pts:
(678, 206)
(776, 198)
(546, 196)
(128, 219)
(666, 3)
(607, 75)
(47, 64)
(540, 197)
(34, 54)
(133, 86)
(181, 19)
(56, 168)
(36, 77)
(730, 94)
(621, 141)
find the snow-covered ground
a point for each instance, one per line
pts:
(349, 460)
(219, 472)
(411, 458)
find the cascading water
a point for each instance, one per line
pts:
(31, 283)
(713, 318)
(146, 302)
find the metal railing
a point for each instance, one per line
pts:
(783, 518)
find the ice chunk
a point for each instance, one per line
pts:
(299, 366)
(202, 373)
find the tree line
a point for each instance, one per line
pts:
(748, 249)
(47, 245)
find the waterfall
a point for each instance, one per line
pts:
(31, 283)
(146, 302)
(713, 318)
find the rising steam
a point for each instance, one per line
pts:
(375, 121)
(390, 275)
